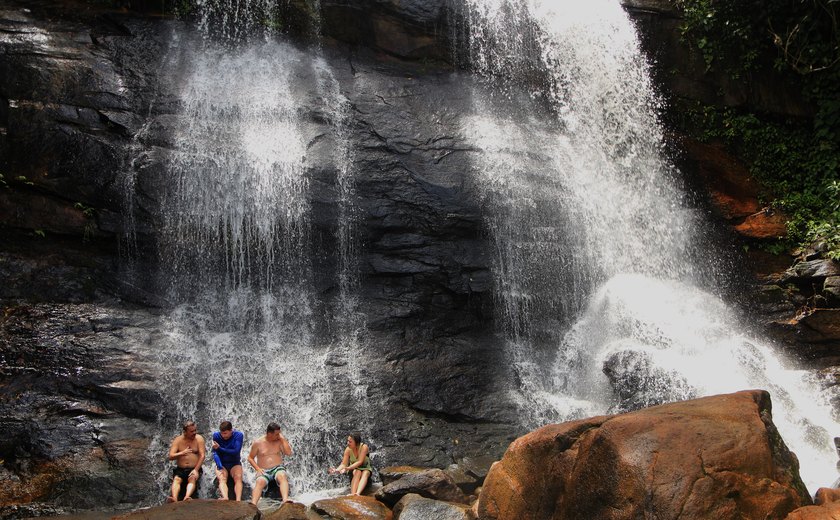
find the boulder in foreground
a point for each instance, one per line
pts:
(714, 457)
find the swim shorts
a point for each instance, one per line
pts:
(184, 473)
(269, 474)
(230, 466)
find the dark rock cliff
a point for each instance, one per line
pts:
(87, 97)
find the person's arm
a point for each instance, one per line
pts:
(363, 451)
(201, 453)
(342, 468)
(175, 454)
(252, 460)
(285, 447)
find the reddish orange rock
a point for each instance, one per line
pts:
(826, 496)
(352, 508)
(715, 457)
(825, 512)
(731, 188)
(764, 224)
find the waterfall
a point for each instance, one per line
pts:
(606, 283)
(244, 338)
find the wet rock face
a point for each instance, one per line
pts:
(715, 457)
(78, 404)
(87, 96)
(638, 382)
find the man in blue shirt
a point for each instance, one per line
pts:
(227, 443)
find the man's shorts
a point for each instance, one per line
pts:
(269, 474)
(184, 473)
(230, 466)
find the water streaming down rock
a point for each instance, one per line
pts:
(244, 340)
(585, 208)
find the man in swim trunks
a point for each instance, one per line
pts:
(266, 457)
(188, 451)
(227, 445)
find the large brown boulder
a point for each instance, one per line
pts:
(204, 509)
(352, 508)
(715, 457)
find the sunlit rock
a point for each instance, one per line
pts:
(829, 511)
(765, 224)
(714, 457)
(352, 508)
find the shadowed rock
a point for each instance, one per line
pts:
(433, 483)
(203, 509)
(415, 507)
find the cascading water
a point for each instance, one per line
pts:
(589, 222)
(244, 339)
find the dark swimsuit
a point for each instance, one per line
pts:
(184, 473)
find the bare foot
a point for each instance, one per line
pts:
(169, 500)
(287, 500)
(187, 499)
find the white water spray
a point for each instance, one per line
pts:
(236, 252)
(633, 261)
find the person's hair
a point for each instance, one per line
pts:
(272, 427)
(188, 424)
(225, 426)
(357, 438)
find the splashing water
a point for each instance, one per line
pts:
(600, 259)
(236, 252)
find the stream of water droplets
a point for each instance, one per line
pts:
(599, 255)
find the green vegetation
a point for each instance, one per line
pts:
(798, 162)
(88, 212)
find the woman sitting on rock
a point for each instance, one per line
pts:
(355, 459)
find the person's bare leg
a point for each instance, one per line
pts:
(256, 493)
(190, 488)
(363, 480)
(355, 482)
(176, 488)
(283, 484)
(236, 473)
(222, 477)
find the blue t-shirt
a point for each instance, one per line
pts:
(227, 454)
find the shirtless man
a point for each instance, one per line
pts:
(188, 450)
(266, 457)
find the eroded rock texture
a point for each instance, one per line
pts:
(715, 457)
